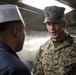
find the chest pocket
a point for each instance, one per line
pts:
(68, 56)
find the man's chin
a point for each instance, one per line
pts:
(54, 37)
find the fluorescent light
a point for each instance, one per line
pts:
(41, 4)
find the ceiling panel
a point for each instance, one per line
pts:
(71, 3)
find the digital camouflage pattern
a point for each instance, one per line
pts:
(56, 61)
(53, 13)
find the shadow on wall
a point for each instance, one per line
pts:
(30, 64)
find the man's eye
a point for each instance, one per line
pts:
(55, 23)
(52, 23)
(48, 23)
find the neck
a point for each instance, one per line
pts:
(9, 43)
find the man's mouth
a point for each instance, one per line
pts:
(53, 33)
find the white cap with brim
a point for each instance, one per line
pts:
(9, 13)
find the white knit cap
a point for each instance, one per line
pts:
(9, 13)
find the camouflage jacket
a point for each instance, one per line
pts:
(56, 61)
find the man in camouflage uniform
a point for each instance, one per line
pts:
(58, 55)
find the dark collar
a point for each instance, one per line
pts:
(7, 48)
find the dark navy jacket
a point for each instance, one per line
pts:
(10, 64)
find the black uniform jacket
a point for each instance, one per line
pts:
(10, 64)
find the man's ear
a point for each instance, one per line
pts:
(64, 23)
(15, 31)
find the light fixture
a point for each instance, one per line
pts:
(42, 4)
